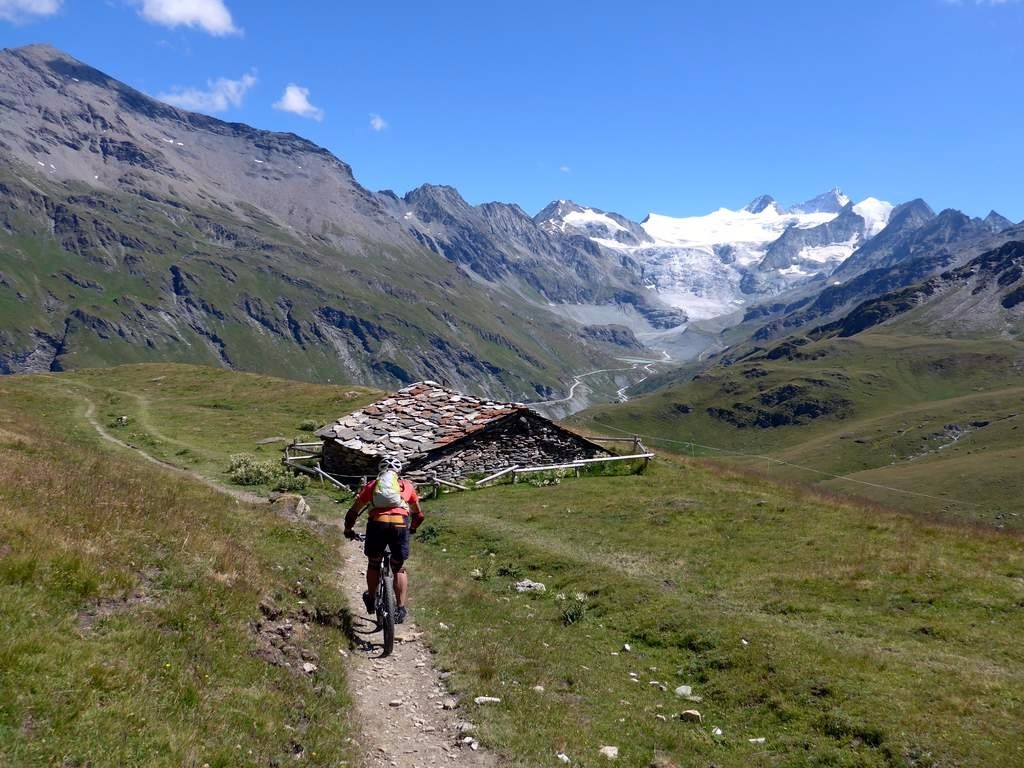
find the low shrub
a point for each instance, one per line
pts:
(289, 482)
(245, 470)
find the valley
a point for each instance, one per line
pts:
(692, 575)
(135, 231)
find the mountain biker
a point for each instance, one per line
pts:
(390, 526)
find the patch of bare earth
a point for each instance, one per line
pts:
(144, 595)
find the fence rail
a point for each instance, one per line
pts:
(297, 456)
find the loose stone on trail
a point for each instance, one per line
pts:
(487, 700)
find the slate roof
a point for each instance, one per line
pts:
(416, 419)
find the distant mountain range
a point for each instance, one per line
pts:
(131, 230)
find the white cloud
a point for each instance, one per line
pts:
(210, 15)
(295, 99)
(565, 169)
(220, 94)
(377, 123)
(24, 10)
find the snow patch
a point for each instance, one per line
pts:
(875, 213)
(829, 254)
(589, 219)
(749, 233)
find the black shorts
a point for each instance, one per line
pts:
(393, 535)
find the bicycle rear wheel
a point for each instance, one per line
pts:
(386, 609)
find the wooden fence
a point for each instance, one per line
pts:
(298, 456)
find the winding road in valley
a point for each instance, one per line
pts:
(577, 380)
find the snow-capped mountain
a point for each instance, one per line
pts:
(564, 217)
(712, 265)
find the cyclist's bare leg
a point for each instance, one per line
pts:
(401, 585)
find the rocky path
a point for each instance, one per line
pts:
(406, 718)
(400, 700)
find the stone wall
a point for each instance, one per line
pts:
(348, 465)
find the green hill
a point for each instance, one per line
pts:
(840, 634)
(932, 417)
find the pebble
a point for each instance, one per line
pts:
(691, 715)
(487, 700)
(627, 647)
(611, 753)
(449, 703)
(563, 757)
(309, 668)
(684, 690)
(716, 731)
(758, 740)
(442, 625)
(539, 688)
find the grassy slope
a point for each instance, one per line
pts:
(126, 596)
(872, 638)
(902, 391)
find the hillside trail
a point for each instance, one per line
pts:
(406, 718)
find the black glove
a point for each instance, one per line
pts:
(349, 533)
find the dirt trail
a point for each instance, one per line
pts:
(237, 494)
(399, 701)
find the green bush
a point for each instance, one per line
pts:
(308, 425)
(291, 483)
(245, 470)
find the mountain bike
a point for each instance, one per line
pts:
(386, 605)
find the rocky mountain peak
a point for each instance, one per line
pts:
(832, 201)
(557, 209)
(760, 203)
(996, 222)
(436, 195)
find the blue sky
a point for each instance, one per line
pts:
(673, 107)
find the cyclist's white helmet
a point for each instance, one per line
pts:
(390, 462)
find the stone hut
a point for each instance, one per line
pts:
(438, 432)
